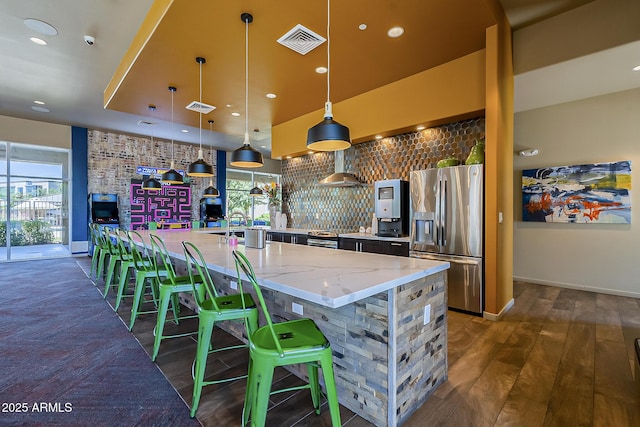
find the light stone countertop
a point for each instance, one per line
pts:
(328, 277)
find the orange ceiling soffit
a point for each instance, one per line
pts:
(146, 30)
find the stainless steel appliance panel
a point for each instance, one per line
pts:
(461, 199)
(447, 210)
(465, 278)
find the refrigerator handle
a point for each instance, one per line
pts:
(443, 212)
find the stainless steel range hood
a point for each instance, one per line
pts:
(340, 178)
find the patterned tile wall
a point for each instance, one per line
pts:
(113, 159)
(344, 210)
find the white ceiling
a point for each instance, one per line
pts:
(70, 76)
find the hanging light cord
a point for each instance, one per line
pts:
(246, 81)
(172, 93)
(200, 112)
(328, 50)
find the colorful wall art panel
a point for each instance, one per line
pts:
(593, 193)
(172, 204)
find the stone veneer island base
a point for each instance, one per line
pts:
(387, 360)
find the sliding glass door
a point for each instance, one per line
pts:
(34, 202)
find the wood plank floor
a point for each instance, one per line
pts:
(559, 357)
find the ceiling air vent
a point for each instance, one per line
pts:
(301, 39)
(200, 107)
(145, 123)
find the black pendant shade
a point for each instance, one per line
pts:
(211, 191)
(172, 177)
(246, 157)
(255, 192)
(151, 183)
(328, 135)
(200, 168)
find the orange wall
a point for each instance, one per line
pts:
(499, 172)
(442, 94)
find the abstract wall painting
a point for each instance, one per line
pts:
(592, 193)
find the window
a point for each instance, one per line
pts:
(239, 183)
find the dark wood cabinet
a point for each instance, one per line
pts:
(374, 246)
(396, 248)
(297, 239)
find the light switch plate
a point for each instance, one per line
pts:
(297, 308)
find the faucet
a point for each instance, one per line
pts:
(228, 218)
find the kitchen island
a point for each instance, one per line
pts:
(388, 356)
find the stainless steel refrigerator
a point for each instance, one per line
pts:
(447, 206)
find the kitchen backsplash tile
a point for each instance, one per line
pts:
(344, 209)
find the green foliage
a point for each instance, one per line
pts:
(26, 233)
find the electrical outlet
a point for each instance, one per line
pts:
(427, 314)
(233, 284)
(297, 308)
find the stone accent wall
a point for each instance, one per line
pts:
(113, 159)
(344, 210)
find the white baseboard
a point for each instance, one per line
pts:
(79, 247)
(608, 291)
(496, 317)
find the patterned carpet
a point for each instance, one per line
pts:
(67, 359)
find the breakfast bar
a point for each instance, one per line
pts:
(385, 316)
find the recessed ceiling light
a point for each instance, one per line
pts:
(378, 136)
(38, 102)
(271, 95)
(185, 131)
(288, 157)
(529, 152)
(395, 32)
(228, 105)
(636, 68)
(40, 109)
(321, 70)
(38, 41)
(421, 127)
(41, 27)
(362, 27)
(235, 114)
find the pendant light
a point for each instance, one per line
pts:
(172, 176)
(255, 192)
(246, 156)
(211, 191)
(151, 183)
(328, 135)
(200, 168)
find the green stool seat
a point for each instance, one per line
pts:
(213, 308)
(169, 285)
(281, 344)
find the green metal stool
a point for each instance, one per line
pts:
(114, 257)
(145, 276)
(126, 263)
(281, 344)
(99, 252)
(169, 288)
(213, 308)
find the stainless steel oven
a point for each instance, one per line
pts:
(323, 239)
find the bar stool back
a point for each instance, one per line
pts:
(114, 257)
(170, 285)
(212, 308)
(146, 276)
(100, 251)
(281, 344)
